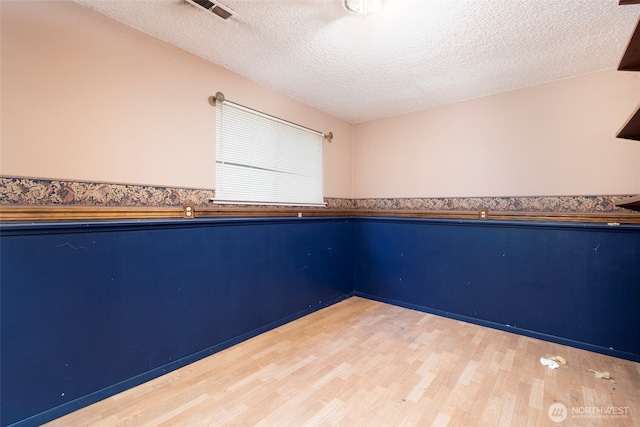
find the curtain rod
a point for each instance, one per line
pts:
(219, 97)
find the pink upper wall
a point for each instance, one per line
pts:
(553, 139)
(86, 98)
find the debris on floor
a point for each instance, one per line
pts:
(561, 360)
(550, 363)
(602, 375)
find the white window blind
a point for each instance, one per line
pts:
(264, 160)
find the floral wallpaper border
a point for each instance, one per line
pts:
(44, 192)
(569, 204)
(16, 191)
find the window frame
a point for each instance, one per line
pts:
(264, 160)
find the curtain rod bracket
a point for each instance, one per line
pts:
(328, 136)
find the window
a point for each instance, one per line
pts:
(264, 160)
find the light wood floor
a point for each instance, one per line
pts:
(364, 363)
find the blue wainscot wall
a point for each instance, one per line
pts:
(574, 284)
(91, 309)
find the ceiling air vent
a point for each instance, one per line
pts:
(214, 7)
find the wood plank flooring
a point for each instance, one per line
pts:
(365, 363)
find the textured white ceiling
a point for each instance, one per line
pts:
(413, 55)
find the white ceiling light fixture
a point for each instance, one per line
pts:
(362, 7)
